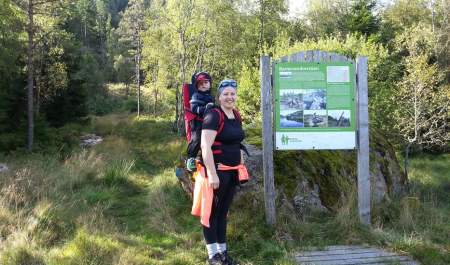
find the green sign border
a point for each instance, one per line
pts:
(304, 85)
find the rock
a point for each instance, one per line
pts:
(185, 179)
(3, 168)
(319, 181)
(307, 199)
(387, 177)
(254, 166)
(252, 162)
(90, 140)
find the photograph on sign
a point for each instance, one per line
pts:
(337, 74)
(314, 99)
(291, 108)
(291, 119)
(339, 118)
(291, 99)
(315, 118)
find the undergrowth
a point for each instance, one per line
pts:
(120, 203)
(116, 203)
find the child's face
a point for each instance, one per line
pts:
(204, 85)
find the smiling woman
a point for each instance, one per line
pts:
(221, 139)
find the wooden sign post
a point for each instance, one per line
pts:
(363, 141)
(267, 134)
(315, 106)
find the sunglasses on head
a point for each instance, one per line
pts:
(227, 83)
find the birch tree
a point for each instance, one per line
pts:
(422, 112)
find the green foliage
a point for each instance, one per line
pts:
(103, 209)
(406, 13)
(325, 18)
(412, 43)
(53, 226)
(20, 256)
(12, 21)
(11, 81)
(249, 93)
(421, 108)
(117, 172)
(361, 18)
(88, 249)
(81, 46)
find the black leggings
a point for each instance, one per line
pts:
(223, 196)
(194, 143)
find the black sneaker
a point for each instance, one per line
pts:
(226, 259)
(215, 260)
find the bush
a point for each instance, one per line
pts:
(21, 256)
(87, 249)
(117, 171)
(12, 141)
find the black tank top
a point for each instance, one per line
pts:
(230, 138)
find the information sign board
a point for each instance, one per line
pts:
(315, 105)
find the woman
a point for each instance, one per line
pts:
(221, 139)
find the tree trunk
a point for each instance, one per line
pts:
(38, 95)
(175, 124)
(179, 119)
(30, 31)
(138, 86)
(156, 102)
(406, 160)
(261, 18)
(138, 77)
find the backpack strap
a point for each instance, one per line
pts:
(221, 119)
(237, 115)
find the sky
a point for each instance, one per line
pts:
(297, 7)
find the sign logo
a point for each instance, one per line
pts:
(284, 139)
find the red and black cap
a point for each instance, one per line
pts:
(202, 76)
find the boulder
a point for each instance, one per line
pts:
(3, 168)
(319, 181)
(322, 180)
(90, 140)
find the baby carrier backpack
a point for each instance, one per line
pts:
(187, 92)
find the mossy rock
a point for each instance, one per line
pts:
(335, 172)
(323, 179)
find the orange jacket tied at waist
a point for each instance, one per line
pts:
(204, 194)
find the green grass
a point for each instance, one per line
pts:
(120, 203)
(117, 203)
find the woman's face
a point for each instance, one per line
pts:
(228, 98)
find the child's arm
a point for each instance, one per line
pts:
(197, 105)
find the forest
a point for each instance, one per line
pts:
(61, 60)
(116, 67)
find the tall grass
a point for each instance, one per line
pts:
(119, 203)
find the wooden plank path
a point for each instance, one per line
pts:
(352, 255)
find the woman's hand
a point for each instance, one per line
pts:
(214, 182)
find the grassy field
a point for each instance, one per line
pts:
(120, 203)
(117, 203)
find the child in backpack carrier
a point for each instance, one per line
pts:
(200, 102)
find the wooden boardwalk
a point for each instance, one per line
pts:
(352, 255)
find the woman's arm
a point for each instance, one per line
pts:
(207, 139)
